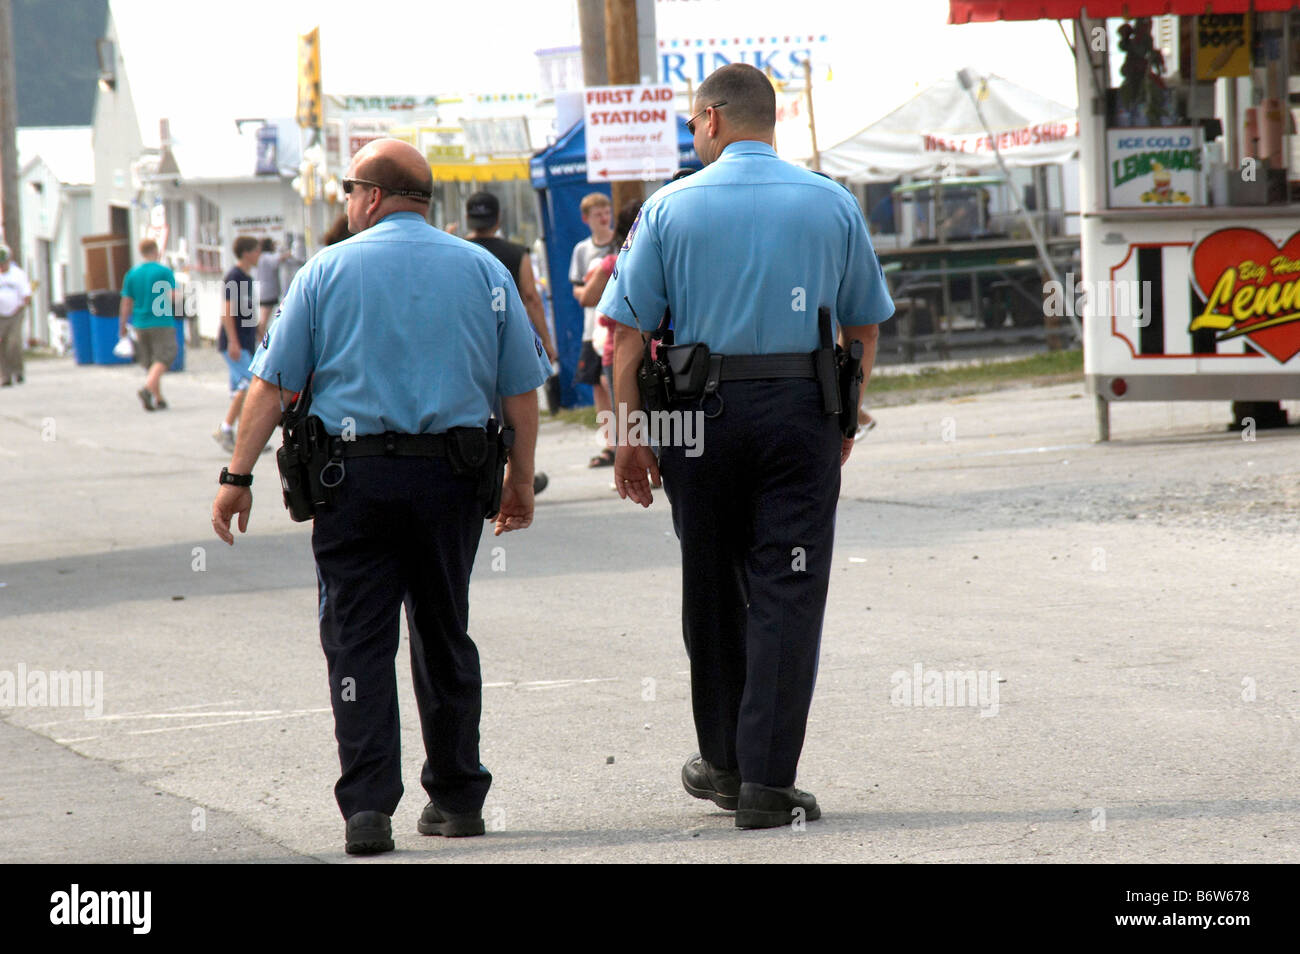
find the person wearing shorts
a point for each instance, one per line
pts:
(148, 294)
(237, 339)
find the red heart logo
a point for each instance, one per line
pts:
(1249, 282)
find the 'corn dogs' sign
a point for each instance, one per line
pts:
(1222, 45)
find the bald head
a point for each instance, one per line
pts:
(395, 165)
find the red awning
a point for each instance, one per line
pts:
(967, 11)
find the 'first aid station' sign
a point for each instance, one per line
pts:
(631, 133)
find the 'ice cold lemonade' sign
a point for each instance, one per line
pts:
(1154, 167)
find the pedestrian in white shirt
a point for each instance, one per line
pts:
(15, 295)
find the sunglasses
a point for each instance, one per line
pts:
(690, 123)
(348, 185)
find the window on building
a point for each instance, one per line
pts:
(207, 250)
(178, 227)
(107, 63)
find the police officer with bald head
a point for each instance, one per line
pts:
(406, 336)
(744, 253)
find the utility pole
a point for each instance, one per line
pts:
(591, 24)
(624, 70)
(9, 213)
(812, 120)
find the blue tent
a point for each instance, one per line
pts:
(559, 174)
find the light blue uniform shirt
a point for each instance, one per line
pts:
(745, 251)
(406, 329)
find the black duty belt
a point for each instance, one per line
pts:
(750, 367)
(390, 444)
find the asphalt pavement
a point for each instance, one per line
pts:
(1123, 614)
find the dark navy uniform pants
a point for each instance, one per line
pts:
(402, 530)
(755, 514)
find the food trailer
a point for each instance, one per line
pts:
(1190, 284)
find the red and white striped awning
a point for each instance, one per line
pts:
(968, 11)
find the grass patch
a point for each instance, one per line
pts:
(1050, 364)
(585, 416)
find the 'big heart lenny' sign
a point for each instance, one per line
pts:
(1251, 287)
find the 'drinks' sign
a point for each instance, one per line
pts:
(1151, 168)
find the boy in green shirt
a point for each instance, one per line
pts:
(147, 294)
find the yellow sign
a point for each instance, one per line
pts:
(1222, 45)
(407, 134)
(309, 88)
(493, 170)
(443, 143)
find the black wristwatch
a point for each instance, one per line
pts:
(239, 480)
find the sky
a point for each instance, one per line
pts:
(239, 57)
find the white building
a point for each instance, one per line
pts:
(204, 192)
(56, 169)
(193, 181)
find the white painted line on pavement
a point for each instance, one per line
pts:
(140, 715)
(212, 725)
(548, 683)
(201, 725)
(1026, 450)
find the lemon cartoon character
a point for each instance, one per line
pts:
(1163, 179)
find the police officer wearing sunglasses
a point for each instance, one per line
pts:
(745, 253)
(404, 336)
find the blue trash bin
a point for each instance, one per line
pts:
(179, 363)
(79, 319)
(104, 323)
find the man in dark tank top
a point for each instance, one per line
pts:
(483, 217)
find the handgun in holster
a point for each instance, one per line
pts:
(839, 373)
(849, 364)
(299, 479)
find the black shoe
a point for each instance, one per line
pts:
(540, 480)
(146, 398)
(369, 833)
(160, 404)
(720, 786)
(436, 822)
(762, 806)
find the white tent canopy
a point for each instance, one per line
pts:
(938, 131)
